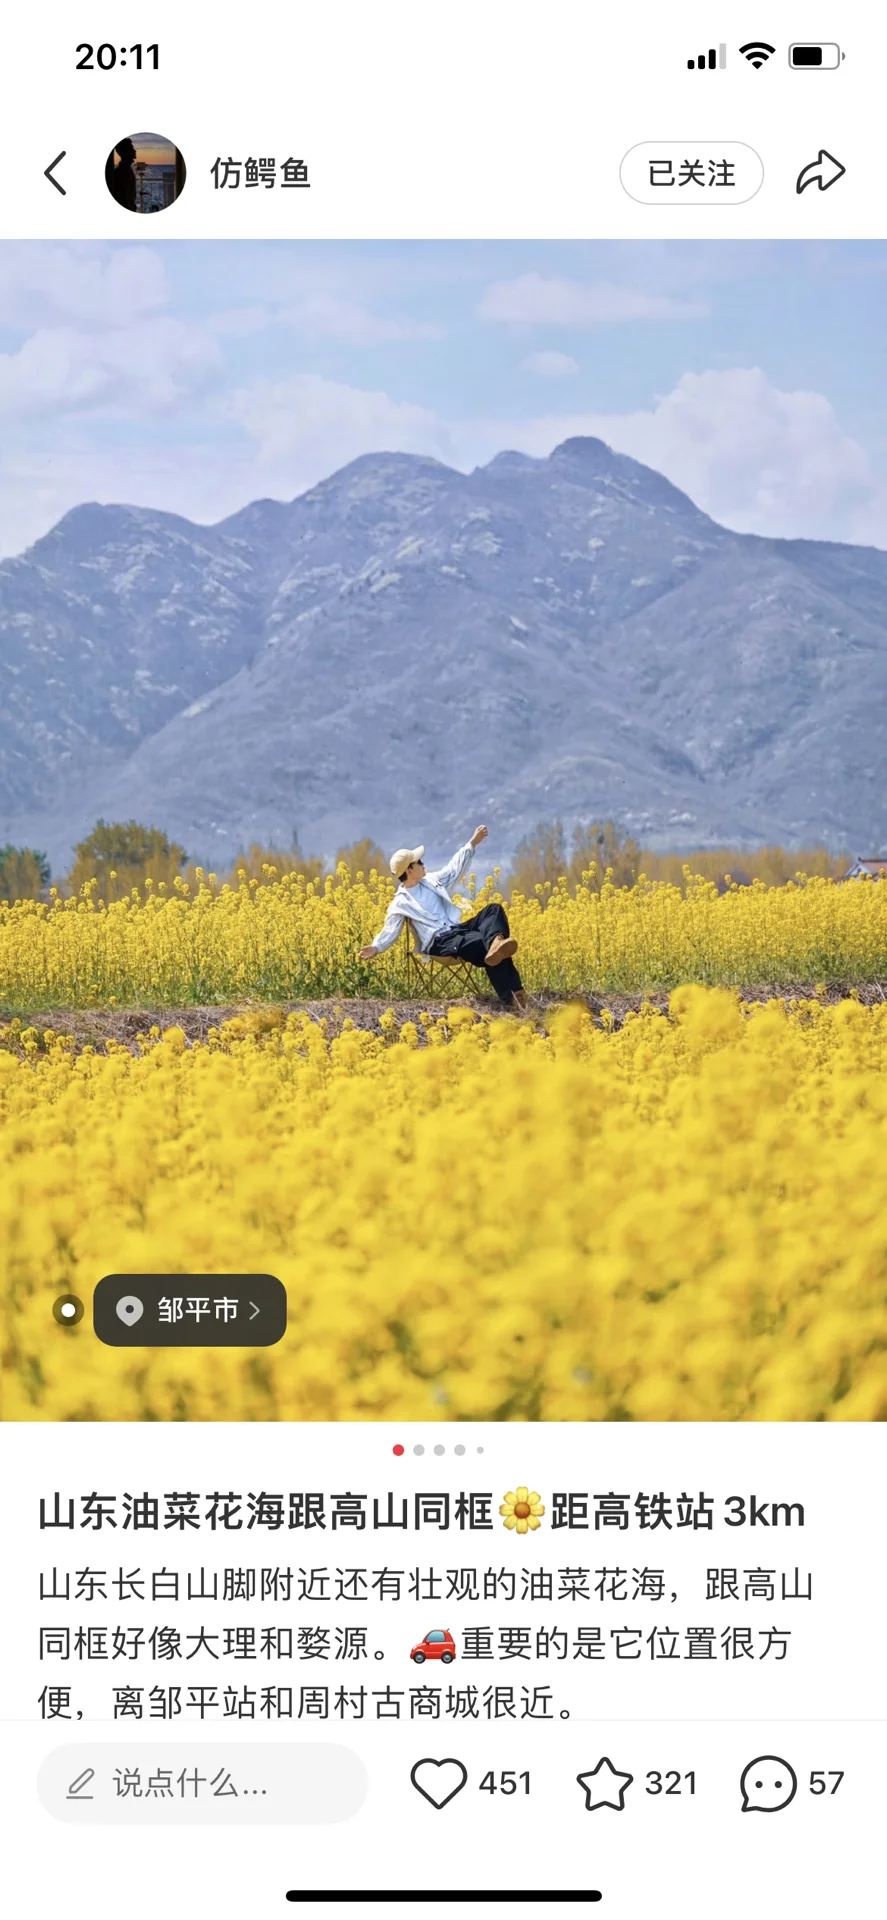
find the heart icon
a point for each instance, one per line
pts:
(439, 1780)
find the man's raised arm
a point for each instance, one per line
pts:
(461, 861)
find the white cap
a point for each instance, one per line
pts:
(404, 858)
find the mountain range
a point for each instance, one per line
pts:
(405, 650)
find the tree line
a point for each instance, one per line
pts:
(125, 854)
(585, 858)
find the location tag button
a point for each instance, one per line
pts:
(190, 1310)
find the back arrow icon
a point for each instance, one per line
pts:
(48, 172)
(825, 171)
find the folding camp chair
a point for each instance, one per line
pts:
(422, 969)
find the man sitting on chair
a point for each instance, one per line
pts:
(484, 940)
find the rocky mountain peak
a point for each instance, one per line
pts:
(565, 637)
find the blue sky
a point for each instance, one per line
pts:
(199, 375)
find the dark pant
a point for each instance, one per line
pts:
(471, 940)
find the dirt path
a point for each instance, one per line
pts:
(93, 1027)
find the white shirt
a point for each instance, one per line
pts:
(427, 904)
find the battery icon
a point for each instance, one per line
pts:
(814, 56)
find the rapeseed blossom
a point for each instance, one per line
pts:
(292, 939)
(681, 1219)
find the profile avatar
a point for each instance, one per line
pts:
(144, 173)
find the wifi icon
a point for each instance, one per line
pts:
(756, 52)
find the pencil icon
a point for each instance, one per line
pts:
(75, 1790)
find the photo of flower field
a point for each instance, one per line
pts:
(443, 825)
(673, 1212)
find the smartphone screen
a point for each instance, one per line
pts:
(443, 962)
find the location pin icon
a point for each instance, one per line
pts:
(129, 1309)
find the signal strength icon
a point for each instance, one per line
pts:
(756, 52)
(706, 62)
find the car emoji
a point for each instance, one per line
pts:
(435, 1646)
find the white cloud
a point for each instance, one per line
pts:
(306, 427)
(341, 319)
(757, 458)
(551, 364)
(36, 492)
(96, 338)
(761, 459)
(325, 315)
(279, 438)
(292, 434)
(239, 322)
(148, 367)
(42, 283)
(531, 300)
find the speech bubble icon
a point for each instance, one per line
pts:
(767, 1784)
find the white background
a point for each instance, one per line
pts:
(823, 1707)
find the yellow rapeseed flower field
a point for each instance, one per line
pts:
(682, 1219)
(292, 939)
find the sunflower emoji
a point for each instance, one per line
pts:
(522, 1511)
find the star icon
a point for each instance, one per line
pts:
(605, 1786)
